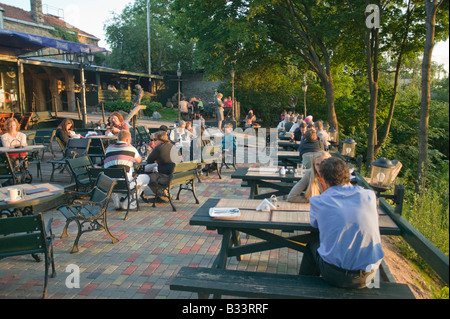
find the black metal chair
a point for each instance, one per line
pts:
(96, 150)
(79, 167)
(11, 174)
(75, 148)
(24, 235)
(123, 185)
(92, 211)
(45, 137)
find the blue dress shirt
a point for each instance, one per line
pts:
(347, 219)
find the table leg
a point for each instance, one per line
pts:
(236, 240)
(221, 259)
(254, 189)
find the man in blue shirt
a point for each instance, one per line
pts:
(348, 252)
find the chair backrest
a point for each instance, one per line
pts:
(25, 120)
(44, 137)
(144, 135)
(7, 169)
(79, 168)
(211, 153)
(22, 235)
(185, 166)
(118, 174)
(102, 190)
(77, 147)
(96, 147)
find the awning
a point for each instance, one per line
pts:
(17, 43)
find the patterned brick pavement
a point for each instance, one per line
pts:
(154, 244)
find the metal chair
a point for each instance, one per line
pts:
(92, 211)
(75, 148)
(79, 167)
(12, 175)
(123, 185)
(27, 235)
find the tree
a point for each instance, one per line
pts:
(431, 9)
(249, 32)
(127, 35)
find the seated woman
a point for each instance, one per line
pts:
(13, 138)
(311, 143)
(311, 183)
(117, 123)
(250, 119)
(64, 131)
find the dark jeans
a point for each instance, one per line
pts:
(313, 265)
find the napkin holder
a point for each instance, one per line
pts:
(266, 206)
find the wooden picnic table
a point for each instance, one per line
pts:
(288, 145)
(289, 158)
(267, 177)
(288, 217)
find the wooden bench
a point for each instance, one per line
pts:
(183, 175)
(25, 235)
(206, 281)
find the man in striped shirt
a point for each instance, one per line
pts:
(123, 154)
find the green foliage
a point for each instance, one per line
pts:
(440, 294)
(118, 105)
(429, 214)
(127, 35)
(64, 34)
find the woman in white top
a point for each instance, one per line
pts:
(13, 138)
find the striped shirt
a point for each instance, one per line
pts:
(120, 154)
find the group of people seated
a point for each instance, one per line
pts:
(311, 135)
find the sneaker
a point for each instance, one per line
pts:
(124, 204)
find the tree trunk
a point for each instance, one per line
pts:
(328, 84)
(372, 43)
(387, 123)
(422, 163)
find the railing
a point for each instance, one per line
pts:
(435, 258)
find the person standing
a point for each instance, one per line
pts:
(219, 110)
(348, 251)
(184, 109)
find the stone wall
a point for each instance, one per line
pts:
(193, 85)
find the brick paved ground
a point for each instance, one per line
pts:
(154, 244)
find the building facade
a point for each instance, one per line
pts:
(46, 79)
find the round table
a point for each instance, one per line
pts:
(22, 149)
(25, 205)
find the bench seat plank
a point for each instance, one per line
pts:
(207, 281)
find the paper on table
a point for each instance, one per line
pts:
(224, 212)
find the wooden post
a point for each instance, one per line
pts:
(56, 106)
(78, 108)
(103, 113)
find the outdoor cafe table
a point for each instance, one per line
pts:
(288, 145)
(289, 158)
(35, 194)
(268, 177)
(287, 218)
(22, 149)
